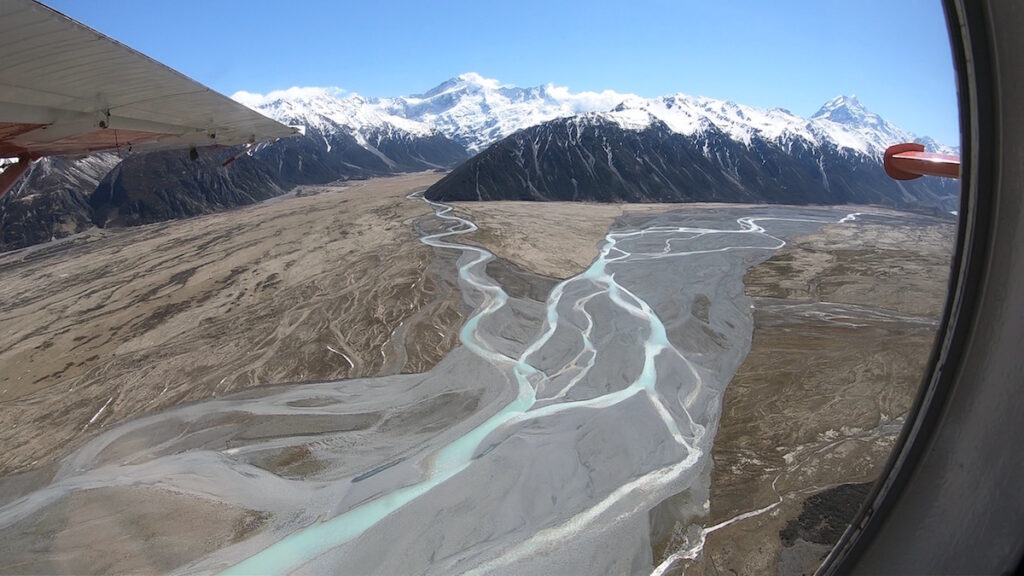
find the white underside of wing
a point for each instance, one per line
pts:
(67, 89)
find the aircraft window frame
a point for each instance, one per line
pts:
(987, 203)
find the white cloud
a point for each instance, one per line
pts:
(475, 78)
(589, 101)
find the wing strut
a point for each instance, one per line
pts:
(11, 174)
(909, 161)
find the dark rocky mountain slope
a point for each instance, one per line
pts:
(52, 200)
(594, 158)
(324, 155)
(60, 197)
(167, 185)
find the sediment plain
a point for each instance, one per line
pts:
(403, 402)
(845, 320)
(328, 282)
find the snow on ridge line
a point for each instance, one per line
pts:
(320, 107)
(254, 99)
(477, 111)
(629, 118)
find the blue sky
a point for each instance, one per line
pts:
(894, 55)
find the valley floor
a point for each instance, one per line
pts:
(844, 323)
(332, 283)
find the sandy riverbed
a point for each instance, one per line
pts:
(844, 324)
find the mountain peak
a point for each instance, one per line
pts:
(474, 78)
(467, 81)
(849, 111)
(841, 102)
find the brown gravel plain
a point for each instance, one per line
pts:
(330, 282)
(844, 324)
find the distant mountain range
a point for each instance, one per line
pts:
(540, 143)
(475, 112)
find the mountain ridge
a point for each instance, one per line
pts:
(347, 136)
(476, 111)
(630, 156)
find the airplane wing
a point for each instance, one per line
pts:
(66, 89)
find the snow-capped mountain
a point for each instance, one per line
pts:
(476, 112)
(469, 109)
(328, 109)
(347, 135)
(842, 122)
(846, 120)
(622, 147)
(631, 155)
